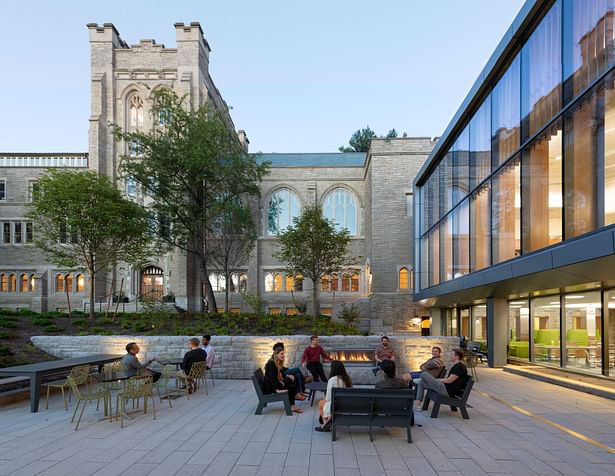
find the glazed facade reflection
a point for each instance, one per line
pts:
(535, 163)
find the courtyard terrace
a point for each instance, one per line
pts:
(517, 426)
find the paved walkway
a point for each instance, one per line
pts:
(219, 434)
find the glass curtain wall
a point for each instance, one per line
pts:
(608, 169)
(583, 321)
(461, 169)
(546, 316)
(519, 326)
(479, 325)
(541, 194)
(480, 228)
(461, 239)
(464, 323)
(506, 212)
(506, 114)
(609, 330)
(480, 144)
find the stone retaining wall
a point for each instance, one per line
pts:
(238, 356)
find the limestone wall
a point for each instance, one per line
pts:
(238, 356)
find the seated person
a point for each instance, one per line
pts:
(295, 372)
(384, 352)
(134, 367)
(195, 354)
(311, 359)
(390, 382)
(275, 382)
(206, 346)
(338, 378)
(434, 365)
(453, 385)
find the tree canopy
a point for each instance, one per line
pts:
(82, 222)
(361, 138)
(312, 247)
(190, 167)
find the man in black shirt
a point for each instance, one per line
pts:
(390, 382)
(195, 354)
(454, 383)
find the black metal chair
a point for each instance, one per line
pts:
(454, 402)
(257, 380)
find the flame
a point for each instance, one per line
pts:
(350, 356)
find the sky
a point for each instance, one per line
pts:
(299, 76)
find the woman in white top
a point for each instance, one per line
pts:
(337, 378)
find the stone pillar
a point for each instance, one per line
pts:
(497, 331)
(436, 321)
(39, 301)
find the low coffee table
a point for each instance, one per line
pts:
(314, 387)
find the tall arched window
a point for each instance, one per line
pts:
(135, 112)
(277, 283)
(282, 208)
(32, 282)
(340, 207)
(269, 283)
(59, 283)
(23, 283)
(80, 283)
(404, 278)
(4, 283)
(13, 283)
(68, 279)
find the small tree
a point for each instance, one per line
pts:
(231, 241)
(361, 139)
(191, 165)
(312, 247)
(83, 222)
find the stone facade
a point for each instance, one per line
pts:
(123, 79)
(238, 356)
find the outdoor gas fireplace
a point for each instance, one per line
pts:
(353, 356)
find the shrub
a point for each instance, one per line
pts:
(8, 324)
(80, 323)
(138, 326)
(52, 328)
(6, 335)
(37, 321)
(349, 314)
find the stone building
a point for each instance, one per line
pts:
(370, 194)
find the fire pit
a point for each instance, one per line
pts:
(353, 356)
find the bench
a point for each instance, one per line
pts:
(372, 407)
(454, 402)
(257, 380)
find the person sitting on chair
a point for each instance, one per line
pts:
(453, 385)
(295, 372)
(206, 346)
(338, 378)
(311, 359)
(390, 382)
(434, 365)
(275, 382)
(195, 354)
(133, 366)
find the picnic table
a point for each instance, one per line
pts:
(36, 372)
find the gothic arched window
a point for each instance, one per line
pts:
(340, 207)
(282, 208)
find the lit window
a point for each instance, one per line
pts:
(2, 189)
(218, 282)
(80, 283)
(23, 287)
(269, 283)
(4, 283)
(13, 283)
(283, 207)
(243, 283)
(326, 311)
(409, 204)
(32, 282)
(404, 278)
(135, 111)
(59, 283)
(335, 284)
(69, 283)
(354, 283)
(290, 283)
(235, 310)
(298, 283)
(277, 283)
(340, 208)
(275, 311)
(325, 283)
(291, 311)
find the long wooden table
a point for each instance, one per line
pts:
(36, 372)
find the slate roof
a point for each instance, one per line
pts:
(326, 159)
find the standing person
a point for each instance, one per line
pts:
(133, 366)
(195, 354)
(311, 359)
(453, 385)
(206, 346)
(338, 378)
(275, 382)
(390, 381)
(295, 372)
(434, 365)
(384, 351)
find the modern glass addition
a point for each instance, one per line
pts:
(535, 163)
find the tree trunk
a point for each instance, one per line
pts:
(70, 311)
(92, 303)
(110, 297)
(226, 293)
(209, 292)
(315, 303)
(117, 304)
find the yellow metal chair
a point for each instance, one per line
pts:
(135, 388)
(89, 397)
(79, 374)
(197, 372)
(163, 383)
